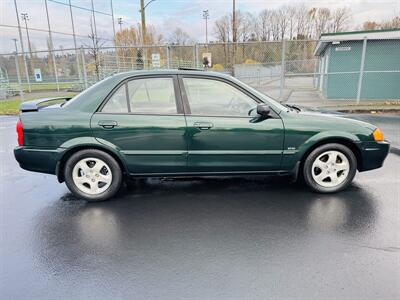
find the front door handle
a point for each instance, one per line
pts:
(203, 125)
(108, 124)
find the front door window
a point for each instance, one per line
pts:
(208, 97)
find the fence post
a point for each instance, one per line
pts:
(21, 92)
(168, 58)
(194, 57)
(282, 69)
(360, 77)
(84, 68)
(196, 51)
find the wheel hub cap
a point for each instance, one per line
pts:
(92, 176)
(330, 169)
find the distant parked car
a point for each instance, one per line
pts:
(185, 123)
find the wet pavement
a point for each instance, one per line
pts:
(215, 238)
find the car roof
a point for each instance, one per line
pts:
(170, 72)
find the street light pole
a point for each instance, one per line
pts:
(206, 16)
(120, 24)
(123, 49)
(26, 19)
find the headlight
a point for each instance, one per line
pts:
(378, 135)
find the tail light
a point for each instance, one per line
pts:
(20, 133)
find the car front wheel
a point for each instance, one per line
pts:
(330, 168)
(93, 175)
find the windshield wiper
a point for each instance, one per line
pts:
(293, 107)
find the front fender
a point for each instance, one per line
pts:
(292, 156)
(326, 135)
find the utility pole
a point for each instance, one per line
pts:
(234, 37)
(143, 18)
(51, 46)
(25, 17)
(115, 37)
(206, 16)
(94, 22)
(78, 68)
(22, 46)
(113, 21)
(234, 22)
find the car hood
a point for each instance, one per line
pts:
(336, 117)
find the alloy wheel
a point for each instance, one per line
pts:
(330, 169)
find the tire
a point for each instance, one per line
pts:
(325, 170)
(93, 175)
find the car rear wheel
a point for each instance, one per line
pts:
(330, 168)
(93, 175)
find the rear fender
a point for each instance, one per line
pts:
(76, 144)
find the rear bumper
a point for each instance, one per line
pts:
(373, 154)
(37, 160)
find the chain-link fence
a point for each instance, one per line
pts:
(352, 70)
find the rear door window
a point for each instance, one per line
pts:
(118, 102)
(152, 96)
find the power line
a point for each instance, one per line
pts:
(46, 30)
(80, 7)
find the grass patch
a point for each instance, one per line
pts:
(42, 86)
(11, 106)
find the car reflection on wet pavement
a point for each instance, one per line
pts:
(223, 238)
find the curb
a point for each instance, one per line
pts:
(369, 110)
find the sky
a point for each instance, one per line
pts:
(165, 15)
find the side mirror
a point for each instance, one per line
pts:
(263, 110)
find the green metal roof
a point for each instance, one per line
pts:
(327, 38)
(359, 32)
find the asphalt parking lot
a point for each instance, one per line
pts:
(214, 238)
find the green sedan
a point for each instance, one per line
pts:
(188, 123)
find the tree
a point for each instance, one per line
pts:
(275, 28)
(283, 21)
(370, 25)
(291, 14)
(222, 29)
(264, 28)
(94, 52)
(180, 37)
(322, 19)
(303, 22)
(340, 18)
(391, 24)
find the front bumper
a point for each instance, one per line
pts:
(373, 154)
(37, 160)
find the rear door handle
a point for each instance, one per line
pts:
(108, 124)
(203, 125)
